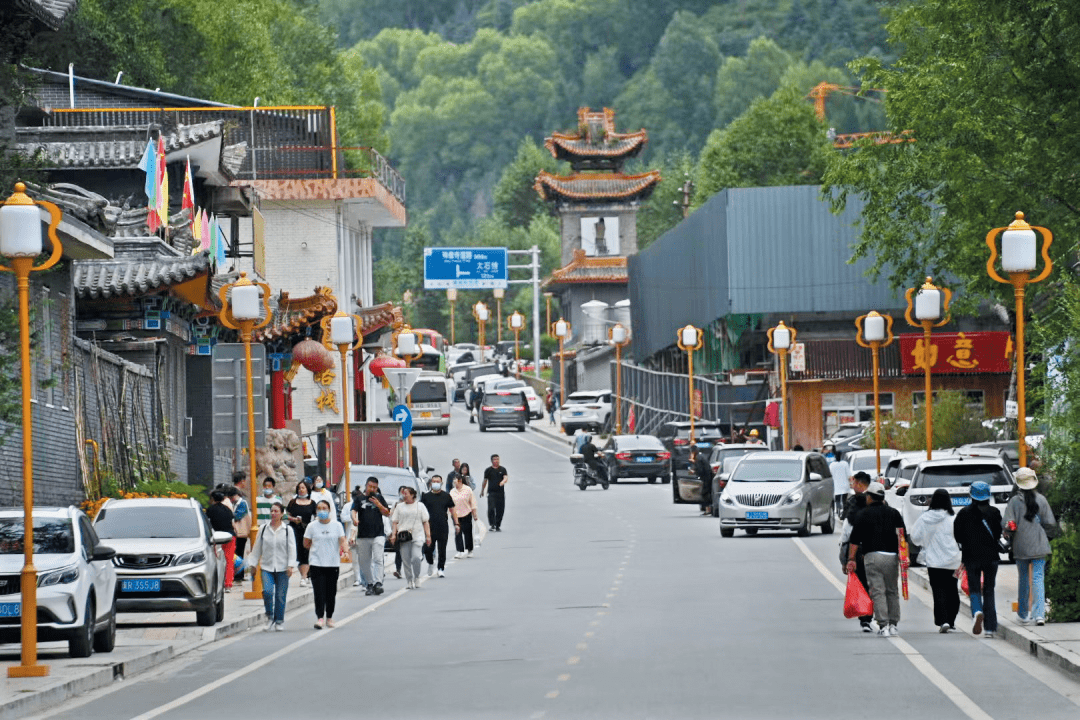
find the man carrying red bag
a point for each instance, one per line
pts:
(876, 534)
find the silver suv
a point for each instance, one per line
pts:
(168, 558)
(778, 491)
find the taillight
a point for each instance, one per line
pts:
(520, 407)
(446, 415)
(623, 456)
(488, 408)
(593, 407)
(716, 467)
(682, 441)
(663, 455)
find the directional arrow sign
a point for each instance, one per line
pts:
(402, 380)
(465, 268)
(403, 416)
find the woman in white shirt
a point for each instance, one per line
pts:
(933, 532)
(321, 493)
(325, 540)
(275, 554)
(409, 521)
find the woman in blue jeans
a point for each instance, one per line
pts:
(275, 553)
(977, 529)
(1025, 516)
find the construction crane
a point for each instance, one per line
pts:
(841, 141)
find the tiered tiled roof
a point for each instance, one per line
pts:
(135, 275)
(596, 143)
(292, 315)
(587, 269)
(377, 317)
(596, 187)
(114, 146)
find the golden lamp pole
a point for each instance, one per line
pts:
(690, 339)
(21, 242)
(874, 331)
(619, 336)
(406, 300)
(499, 294)
(451, 296)
(241, 308)
(781, 340)
(341, 331)
(516, 323)
(481, 313)
(406, 344)
(562, 330)
(1018, 259)
(547, 301)
(928, 306)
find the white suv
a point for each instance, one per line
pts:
(75, 577)
(586, 409)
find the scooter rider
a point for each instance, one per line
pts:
(588, 451)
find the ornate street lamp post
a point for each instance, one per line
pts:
(406, 345)
(241, 308)
(20, 243)
(516, 323)
(619, 336)
(781, 340)
(928, 306)
(451, 296)
(690, 339)
(874, 331)
(1018, 259)
(341, 331)
(547, 302)
(481, 313)
(499, 294)
(562, 331)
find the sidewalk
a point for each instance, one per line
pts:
(143, 641)
(554, 432)
(1054, 644)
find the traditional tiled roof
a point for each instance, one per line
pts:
(51, 12)
(379, 316)
(292, 315)
(596, 139)
(114, 146)
(588, 269)
(596, 187)
(136, 276)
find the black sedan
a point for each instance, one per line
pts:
(635, 456)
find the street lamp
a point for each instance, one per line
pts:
(516, 323)
(928, 306)
(241, 308)
(562, 331)
(619, 336)
(21, 242)
(781, 340)
(1018, 260)
(874, 331)
(451, 296)
(341, 331)
(481, 313)
(406, 345)
(499, 294)
(690, 339)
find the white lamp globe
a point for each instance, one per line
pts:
(341, 330)
(481, 312)
(781, 337)
(689, 336)
(874, 328)
(562, 329)
(517, 321)
(406, 344)
(245, 302)
(20, 230)
(1018, 251)
(618, 334)
(928, 303)
(451, 294)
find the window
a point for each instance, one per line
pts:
(840, 408)
(148, 522)
(751, 470)
(52, 536)
(976, 399)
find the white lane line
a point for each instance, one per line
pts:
(562, 455)
(248, 669)
(955, 694)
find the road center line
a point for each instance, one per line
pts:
(955, 694)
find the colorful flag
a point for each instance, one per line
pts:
(212, 233)
(188, 202)
(149, 165)
(220, 254)
(196, 231)
(163, 198)
(204, 232)
(630, 420)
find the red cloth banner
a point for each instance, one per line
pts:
(952, 353)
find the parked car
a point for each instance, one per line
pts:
(168, 559)
(463, 381)
(848, 436)
(955, 474)
(866, 460)
(778, 491)
(536, 403)
(721, 454)
(675, 435)
(1007, 450)
(503, 408)
(635, 456)
(430, 403)
(588, 410)
(76, 580)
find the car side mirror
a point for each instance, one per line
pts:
(102, 552)
(902, 491)
(815, 477)
(221, 538)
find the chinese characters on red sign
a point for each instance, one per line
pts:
(973, 352)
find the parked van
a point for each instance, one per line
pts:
(431, 403)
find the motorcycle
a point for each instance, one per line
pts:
(584, 475)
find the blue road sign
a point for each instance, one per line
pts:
(475, 268)
(404, 416)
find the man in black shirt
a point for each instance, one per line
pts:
(877, 535)
(221, 520)
(368, 536)
(495, 479)
(854, 505)
(440, 507)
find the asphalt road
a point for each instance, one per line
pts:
(599, 604)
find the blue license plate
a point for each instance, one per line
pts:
(644, 458)
(958, 500)
(504, 410)
(704, 444)
(140, 585)
(757, 515)
(10, 609)
(577, 413)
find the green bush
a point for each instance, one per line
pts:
(956, 423)
(1063, 578)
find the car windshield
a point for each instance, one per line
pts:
(148, 522)
(52, 536)
(701, 432)
(846, 432)
(947, 476)
(428, 391)
(639, 443)
(582, 399)
(501, 400)
(767, 471)
(867, 463)
(720, 453)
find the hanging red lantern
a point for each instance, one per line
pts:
(313, 356)
(382, 362)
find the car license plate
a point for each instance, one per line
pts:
(958, 500)
(12, 609)
(757, 515)
(140, 585)
(425, 414)
(704, 444)
(504, 410)
(644, 458)
(576, 413)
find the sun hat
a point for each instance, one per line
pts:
(876, 489)
(979, 491)
(1026, 479)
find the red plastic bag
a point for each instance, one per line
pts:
(856, 602)
(964, 583)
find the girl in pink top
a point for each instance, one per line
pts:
(465, 509)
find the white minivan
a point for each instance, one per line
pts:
(431, 403)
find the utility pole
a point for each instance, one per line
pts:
(687, 188)
(534, 265)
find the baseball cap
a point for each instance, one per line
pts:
(877, 489)
(1026, 479)
(979, 491)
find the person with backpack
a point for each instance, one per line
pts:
(933, 532)
(1027, 518)
(977, 528)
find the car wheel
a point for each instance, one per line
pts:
(806, 527)
(652, 478)
(207, 617)
(716, 506)
(829, 525)
(521, 429)
(483, 428)
(81, 644)
(219, 607)
(105, 640)
(605, 485)
(727, 532)
(675, 493)
(567, 431)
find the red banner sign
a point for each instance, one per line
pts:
(973, 352)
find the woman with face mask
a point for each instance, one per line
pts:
(410, 522)
(465, 510)
(325, 539)
(319, 492)
(441, 516)
(275, 554)
(301, 512)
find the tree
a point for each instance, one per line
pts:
(741, 80)
(516, 200)
(663, 210)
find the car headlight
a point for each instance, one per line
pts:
(191, 558)
(794, 498)
(1002, 497)
(63, 576)
(726, 499)
(920, 500)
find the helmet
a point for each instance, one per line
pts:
(754, 433)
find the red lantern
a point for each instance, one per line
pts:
(382, 362)
(313, 356)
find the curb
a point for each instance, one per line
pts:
(551, 434)
(247, 617)
(1043, 650)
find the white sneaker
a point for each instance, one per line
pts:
(883, 632)
(468, 554)
(269, 625)
(945, 627)
(430, 570)
(442, 574)
(1040, 621)
(893, 632)
(356, 583)
(458, 556)
(279, 627)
